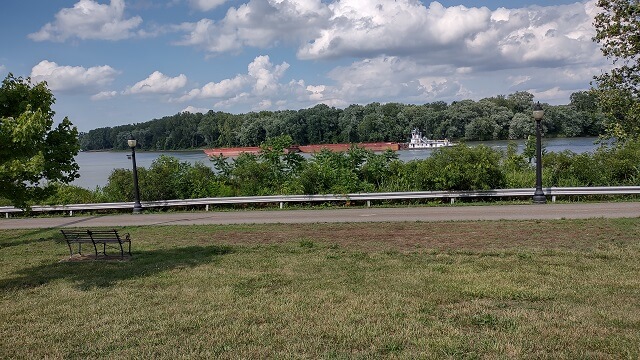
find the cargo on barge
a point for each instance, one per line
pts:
(309, 149)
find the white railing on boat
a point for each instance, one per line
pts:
(551, 193)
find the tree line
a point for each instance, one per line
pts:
(495, 118)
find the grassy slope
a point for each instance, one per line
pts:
(538, 289)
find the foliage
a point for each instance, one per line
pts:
(64, 194)
(120, 185)
(461, 168)
(33, 156)
(615, 166)
(617, 29)
(275, 171)
(492, 118)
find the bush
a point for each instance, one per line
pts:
(464, 168)
(120, 185)
(70, 194)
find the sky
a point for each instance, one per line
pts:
(114, 62)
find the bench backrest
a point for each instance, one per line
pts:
(91, 235)
(104, 234)
(76, 234)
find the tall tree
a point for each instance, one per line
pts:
(618, 33)
(33, 155)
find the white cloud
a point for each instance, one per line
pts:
(158, 83)
(518, 79)
(266, 75)
(316, 92)
(104, 95)
(72, 78)
(88, 19)
(261, 80)
(372, 28)
(217, 90)
(457, 35)
(195, 110)
(258, 23)
(379, 78)
(465, 37)
(206, 5)
(550, 95)
(538, 36)
(264, 104)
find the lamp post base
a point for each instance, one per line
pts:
(539, 198)
(137, 208)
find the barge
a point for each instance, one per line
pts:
(309, 149)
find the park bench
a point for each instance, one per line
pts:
(96, 237)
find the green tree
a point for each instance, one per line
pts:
(33, 156)
(617, 28)
(482, 128)
(520, 101)
(520, 126)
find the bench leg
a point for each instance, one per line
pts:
(104, 248)
(96, 249)
(70, 250)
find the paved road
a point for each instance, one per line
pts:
(454, 213)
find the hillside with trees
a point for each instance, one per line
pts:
(495, 118)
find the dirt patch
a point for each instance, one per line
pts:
(101, 257)
(444, 236)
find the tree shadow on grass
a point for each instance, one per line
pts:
(18, 237)
(99, 274)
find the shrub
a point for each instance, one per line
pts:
(70, 194)
(465, 168)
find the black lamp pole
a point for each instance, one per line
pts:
(538, 196)
(137, 207)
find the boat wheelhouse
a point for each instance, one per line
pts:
(417, 141)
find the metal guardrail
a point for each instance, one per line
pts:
(551, 193)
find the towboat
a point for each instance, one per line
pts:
(419, 142)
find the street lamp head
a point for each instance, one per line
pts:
(538, 113)
(132, 142)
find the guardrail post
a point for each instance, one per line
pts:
(6, 215)
(553, 198)
(453, 200)
(281, 204)
(206, 207)
(368, 203)
(70, 212)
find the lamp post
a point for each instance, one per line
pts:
(137, 207)
(538, 196)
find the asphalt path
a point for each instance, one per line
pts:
(441, 213)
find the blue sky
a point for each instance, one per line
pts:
(113, 62)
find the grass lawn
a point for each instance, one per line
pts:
(507, 289)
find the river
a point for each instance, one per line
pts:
(95, 167)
